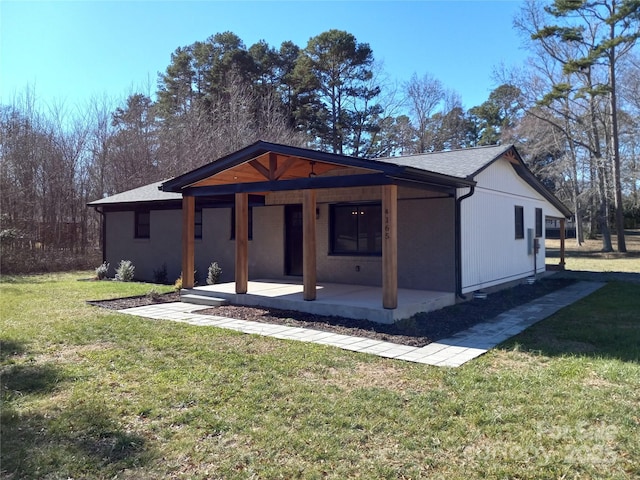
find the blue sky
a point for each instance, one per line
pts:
(69, 52)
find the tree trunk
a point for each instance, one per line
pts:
(603, 211)
(622, 247)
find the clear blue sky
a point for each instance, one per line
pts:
(71, 51)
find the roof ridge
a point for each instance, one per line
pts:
(440, 152)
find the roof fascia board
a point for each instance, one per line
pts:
(364, 180)
(254, 200)
(425, 176)
(527, 175)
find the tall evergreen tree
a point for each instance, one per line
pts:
(331, 75)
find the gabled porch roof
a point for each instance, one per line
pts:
(268, 167)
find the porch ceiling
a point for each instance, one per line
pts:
(272, 166)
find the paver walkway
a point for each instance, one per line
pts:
(449, 352)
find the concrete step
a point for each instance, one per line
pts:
(203, 300)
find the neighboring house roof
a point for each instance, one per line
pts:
(146, 193)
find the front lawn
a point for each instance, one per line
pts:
(89, 393)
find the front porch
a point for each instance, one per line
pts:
(351, 301)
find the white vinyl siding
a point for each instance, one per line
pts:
(490, 253)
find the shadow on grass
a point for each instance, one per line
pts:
(18, 380)
(604, 325)
(53, 442)
(82, 442)
(11, 348)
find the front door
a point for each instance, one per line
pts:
(293, 240)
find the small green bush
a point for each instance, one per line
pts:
(125, 271)
(102, 271)
(153, 295)
(214, 273)
(160, 275)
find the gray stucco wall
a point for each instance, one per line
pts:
(425, 242)
(147, 254)
(164, 245)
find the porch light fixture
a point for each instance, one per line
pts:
(312, 173)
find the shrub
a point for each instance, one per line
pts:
(102, 271)
(214, 273)
(177, 285)
(125, 271)
(160, 275)
(153, 295)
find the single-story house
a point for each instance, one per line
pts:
(457, 221)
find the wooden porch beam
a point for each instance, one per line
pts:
(281, 170)
(390, 246)
(188, 234)
(262, 170)
(309, 273)
(242, 242)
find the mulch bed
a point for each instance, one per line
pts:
(417, 331)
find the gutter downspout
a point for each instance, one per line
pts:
(458, 242)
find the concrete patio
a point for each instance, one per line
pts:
(350, 301)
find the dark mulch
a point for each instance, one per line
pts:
(418, 331)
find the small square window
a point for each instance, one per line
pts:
(197, 231)
(519, 221)
(538, 222)
(142, 224)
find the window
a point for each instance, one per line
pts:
(538, 222)
(233, 223)
(197, 231)
(519, 211)
(143, 224)
(356, 229)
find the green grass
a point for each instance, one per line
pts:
(90, 393)
(589, 256)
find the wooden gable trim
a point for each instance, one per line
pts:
(260, 148)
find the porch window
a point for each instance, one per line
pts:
(233, 223)
(538, 222)
(356, 229)
(197, 231)
(519, 220)
(142, 224)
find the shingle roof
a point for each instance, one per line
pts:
(465, 163)
(146, 193)
(454, 167)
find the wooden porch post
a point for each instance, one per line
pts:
(309, 244)
(188, 233)
(242, 242)
(562, 235)
(389, 246)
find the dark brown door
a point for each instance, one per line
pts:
(293, 239)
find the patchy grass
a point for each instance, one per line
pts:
(590, 258)
(90, 393)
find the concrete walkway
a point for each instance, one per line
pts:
(449, 352)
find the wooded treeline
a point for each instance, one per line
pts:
(573, 111)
